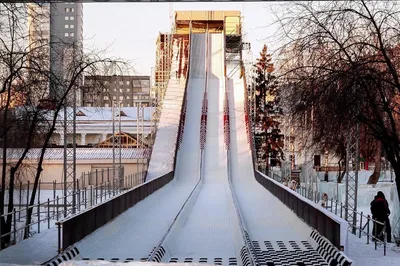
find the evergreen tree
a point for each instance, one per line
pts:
(268, 137)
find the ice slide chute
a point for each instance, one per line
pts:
(163, 152)
(190, 154)
(275, 233)
(213, 211)
(211, 233)
(136, 232)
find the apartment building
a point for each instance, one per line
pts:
(130, 91)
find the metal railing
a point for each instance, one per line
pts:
(75, 227)
(366, 226)
(44, 213)
(364, 222)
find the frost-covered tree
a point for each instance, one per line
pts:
(268, 137)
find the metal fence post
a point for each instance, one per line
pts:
(368, 219)
(20, 201)
(384, 238)
(27, 198)
(79, 200)
(59, 237)
(361, 223)
(57, 209)
(85, 196)
(38, 214)
(96, 185)
(375, 232)
(78, 194)
(15, 225)
(48, 213)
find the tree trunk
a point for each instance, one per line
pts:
(396, 169)
(8, 220)
(342, 172)
(373, 179)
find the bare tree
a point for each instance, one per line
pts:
(344, 67)
(25, 71)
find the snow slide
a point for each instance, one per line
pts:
(163, 153)
(272, 226)
(134, 234)
(211, 232)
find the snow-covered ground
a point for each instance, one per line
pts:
(366, 255)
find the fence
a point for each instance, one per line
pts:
(313, 216)
(44, 214)
(76, 227)
(364, 222)
(53, 189)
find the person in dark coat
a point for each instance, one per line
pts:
(380, 212)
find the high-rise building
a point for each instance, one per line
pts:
(55, 37)
(130, 91)
(66, 34)
(38, 58)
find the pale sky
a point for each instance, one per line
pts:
(130, 30)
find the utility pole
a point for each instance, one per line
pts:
(119, 140)
(69, 170)
(113, 137)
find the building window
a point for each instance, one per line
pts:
(71, 18)
(121, 97)
(114, 97)
(72, 9)
(72, 26)
(66, 34)
(67, 9)
(128, 90)
(120, 90)
(121, 82)
(105, 97)
(71, 34)
(127, 97)
(66, 18)
(66, 26)
(128, 83)
(106, 105)
(128, 105)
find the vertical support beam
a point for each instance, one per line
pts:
(352, 168)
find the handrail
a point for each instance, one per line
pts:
(98, 194)
(156, 250)
(317, 196)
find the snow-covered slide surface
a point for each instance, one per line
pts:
(134, 234)
(280, 235)
(211, 232)
(162, 157)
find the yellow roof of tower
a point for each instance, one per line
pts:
(214, 21)
(205, 15)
